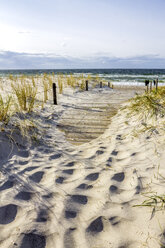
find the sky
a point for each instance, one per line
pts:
(57, 34)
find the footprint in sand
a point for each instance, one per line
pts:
(55, 156)
(99, 152)
(92, 176)
(7, 185)
(110, 159)
(70, 214)
(84, 186)
(36, 177)
(23, 162)
(42, 216)
(60, 180)
(8, 214)
(32, 240)
(80, 199)
(96, 226)
(70, 164)
(114, 153)
(25, 196)
(138, 189)
(113, 189)
(119, 177)
(23, 153)
(70, 172)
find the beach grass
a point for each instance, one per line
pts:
(25, 93)
(5, 108)
(152, 104)
(60, 84)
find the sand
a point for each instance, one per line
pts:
(58, 194)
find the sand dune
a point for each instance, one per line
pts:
(56, 194)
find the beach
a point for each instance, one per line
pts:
(79, 177)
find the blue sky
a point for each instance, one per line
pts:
(82, 33)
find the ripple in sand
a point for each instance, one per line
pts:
(119, 177)
(32, 240)
(92, 176)
(96, 226)
(36, 177)
(7, 214)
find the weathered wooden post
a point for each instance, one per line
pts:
(147, 85)
(154, 83)
(86, 85)
(54, 94)
(109, 84)
(101, 84)
(150, 86)
(157, 85)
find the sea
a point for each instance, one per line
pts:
(116, 76)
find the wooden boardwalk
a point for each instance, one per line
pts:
(90, 113)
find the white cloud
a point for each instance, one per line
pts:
(14, 60)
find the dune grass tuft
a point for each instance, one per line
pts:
(5, 108)
(153, 104)
(25, 93)
(46, 87)
(60, 84)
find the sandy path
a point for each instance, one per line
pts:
(59, 195)
(90, 113)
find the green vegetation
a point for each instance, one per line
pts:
(153, 200)
(5, 108)
(152, 104)
(60, 85)
(25, 93)
(72, 81)
(46, 87)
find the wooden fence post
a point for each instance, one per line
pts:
(86, 85)
(147, 85)
(157, 85)
(150, 86)
(101, 84)
(54, 94)
(147, 88)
